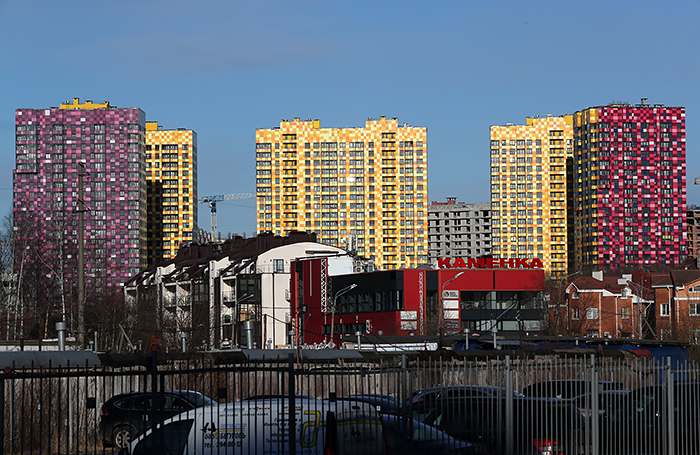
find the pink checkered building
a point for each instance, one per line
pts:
(50, 144)
(629, 186)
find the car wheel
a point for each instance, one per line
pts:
(121, 436)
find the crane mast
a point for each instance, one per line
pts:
(212, 200)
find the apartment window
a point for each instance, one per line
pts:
(575, 314)
(695, 308)
(665, 309)
(624, 313)
(591, 313)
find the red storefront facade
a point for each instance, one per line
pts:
(404, 302)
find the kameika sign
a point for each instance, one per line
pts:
(489, 263)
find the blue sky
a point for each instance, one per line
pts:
(225, 68)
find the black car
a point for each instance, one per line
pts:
(533, 426)
(607, 399)
(406, 437)
(123, 415)
(653, 419)
(568, 388)
(434, 393)
(385, 404)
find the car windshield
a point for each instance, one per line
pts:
(200, 400)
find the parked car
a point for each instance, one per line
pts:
(649, 419)
(433, 393)
(567, 388)
(409, 437)
(607, 399)
(533, 425)
(123, 415)
(385, 404)
(262, 427)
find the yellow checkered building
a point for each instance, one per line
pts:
(364, 189)
(171, 179)
(529, 191)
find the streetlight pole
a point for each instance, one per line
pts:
(441, 317)
(568, 316)
(335, 298)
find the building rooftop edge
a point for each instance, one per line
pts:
(316, 123)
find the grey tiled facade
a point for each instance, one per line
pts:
(456, 229)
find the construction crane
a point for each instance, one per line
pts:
(212, 200)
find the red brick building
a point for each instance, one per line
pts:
(325, 306)
(598, 306)
(663, 306)
(677, 309)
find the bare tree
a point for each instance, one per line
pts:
(554, 316)
(44, 279)
(7, 278)
(104, 313)
(584, 314)
(36, 284)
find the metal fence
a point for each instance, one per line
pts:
(504, 404)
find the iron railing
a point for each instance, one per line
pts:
(579, 405)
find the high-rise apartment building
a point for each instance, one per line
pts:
(629, 185)
(456, 229)
(50, 145)
(529, 190)
(693, 220)
(364, 188)
(171, 179)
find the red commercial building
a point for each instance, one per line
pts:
(478, 294)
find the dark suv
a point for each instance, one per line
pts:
(568, 388)
(122, 416)
(532, 425)
(653, 419)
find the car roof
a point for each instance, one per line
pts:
(184, 393)
(519, 399)
(485, 388)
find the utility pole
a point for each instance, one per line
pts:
(335, 299)
(81, 258)
(441, 315)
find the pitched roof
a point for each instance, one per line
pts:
(589, 283)
(661, 280)
(682, 277)
(193, 260)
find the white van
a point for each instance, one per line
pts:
(260, 426)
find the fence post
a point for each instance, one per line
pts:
(404, 394)
(2, 417)
(509, 407)
(291, 424)
(154, 397)
(670, 380)
(595, 426)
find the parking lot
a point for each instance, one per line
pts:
(504, 404)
